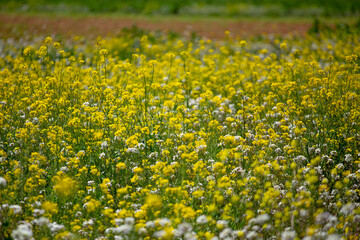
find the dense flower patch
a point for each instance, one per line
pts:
(157, 137)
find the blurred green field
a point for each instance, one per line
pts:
(234, 8)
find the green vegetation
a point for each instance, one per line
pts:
(198, 7)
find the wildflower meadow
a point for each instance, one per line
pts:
(150, 135)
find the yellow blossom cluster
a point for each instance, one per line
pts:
(152, 136)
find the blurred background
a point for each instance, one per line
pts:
(231, 8)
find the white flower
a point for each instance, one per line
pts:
(201, 148)
(288, 235)
(238, 170)
(119, 221)
(123, 229)
(104, 144)
(101, 238)
(142, 231)
(226, 232)
(78, 214)
(347, 209)
(16, 209)
(348, 158)
(333, 237)
(38, 212)
(300, 159)
(153, 155)
(91, 182)
(2, 181)
(159, 234)
(23, 232)
(64, 169)
(164, 222)
(190, 236)
(141, 146)
(42, 221)
(252, 235)
(129, 221)
(110, 230)
(55, 227)
(132, 150)
(102, 155)
(177, 233)
(261, 219)
(202, 219)
(88, 223)
(222, 223)
(35, 120)
(184, 228)
(150, 224)
(324, 218)
(5, 206)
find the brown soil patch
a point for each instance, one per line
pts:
(102, 26)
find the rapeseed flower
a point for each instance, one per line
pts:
(150, 137)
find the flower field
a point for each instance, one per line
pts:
(152, 136)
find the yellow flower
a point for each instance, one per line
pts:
(121, 165)
(198, 193)
(283, 46)
(48, 40)
(27, 51)
(104, 52)
(92, 205)
(153, 201)
(64, 185)
(50, 207)
(188, 212)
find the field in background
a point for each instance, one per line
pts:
(27, 25)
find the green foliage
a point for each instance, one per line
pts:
(207, 7)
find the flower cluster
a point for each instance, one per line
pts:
(158, 137)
